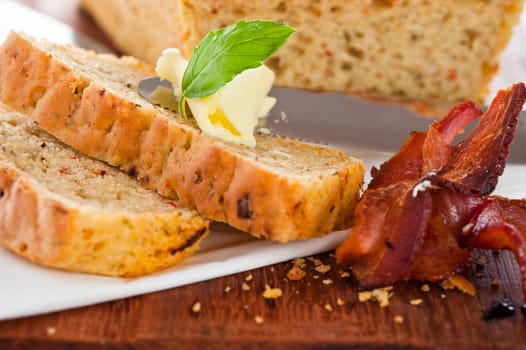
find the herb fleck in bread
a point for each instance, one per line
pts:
(61, 209)
(282, 189)
(434, 53)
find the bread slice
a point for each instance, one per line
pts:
(282, 189)
(432, 53)
(61, 209)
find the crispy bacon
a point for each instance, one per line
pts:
(428, 204)
(440, 256)
(476, 164)
(381, 250)
(500, 223)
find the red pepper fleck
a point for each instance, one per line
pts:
(64, 170)
(452, 74)
(328, 53)
(172, 203)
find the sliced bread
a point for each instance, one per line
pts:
(435, 53)
(61, 209)
(283, 189)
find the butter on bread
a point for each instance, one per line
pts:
(282, 189)
(428, 53)
(62, 209)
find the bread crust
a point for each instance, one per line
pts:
(222, 181)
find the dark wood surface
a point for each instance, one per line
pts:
(446, 319)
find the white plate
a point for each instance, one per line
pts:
(28, 289)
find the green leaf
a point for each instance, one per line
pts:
(224, 53)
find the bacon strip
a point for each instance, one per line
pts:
(405, 165)
(500, 223)
(440, 256)
(436, 150)
(476, 164)
(429, 202)
(381, 250)
(425, 152)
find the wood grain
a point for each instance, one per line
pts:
(300, 319)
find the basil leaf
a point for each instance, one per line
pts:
(224, 53)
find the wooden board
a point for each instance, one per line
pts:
(300, 318)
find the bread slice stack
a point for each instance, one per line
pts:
(282, 190)
(428, 54)
(62, 209)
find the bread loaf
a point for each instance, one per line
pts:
(61, 209)
(282, 189)
(431, 54)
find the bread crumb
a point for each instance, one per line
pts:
(323, 268)
(316, 277)
(295, 273)
(416, 302)
(227, 289)
(443, 296)
(327, 281)
(425, 288)
(399, 319)
(315, 261)
(365, 295)
(300, 262)
(245, 287)
(196, 308)
(271, 293)
(340, 302)
(328, 307)
(382, 295)
(446, 284)
(258, 319)
(378, 295)
(51, 330)
(495, 282)
(344, 274)
(249, 278)
(460, 283)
